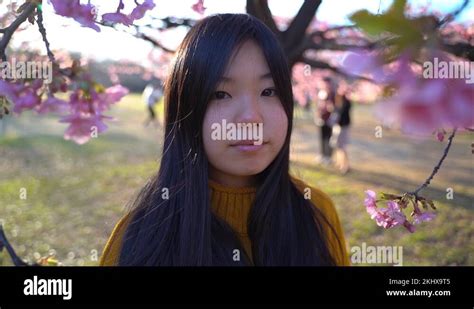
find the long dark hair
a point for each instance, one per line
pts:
(180, 229)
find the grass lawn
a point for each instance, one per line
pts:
(56, 195)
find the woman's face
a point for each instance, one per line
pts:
(245, 124)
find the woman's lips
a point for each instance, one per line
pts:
(248, 146)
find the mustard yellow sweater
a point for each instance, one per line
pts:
(233, 205)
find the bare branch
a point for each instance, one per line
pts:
(169, 23)
(464, 50)
(453, 15)
(261, 10)
(8, 33)
(153, 41)
(317, 64)
(297, 29)
(333, 45)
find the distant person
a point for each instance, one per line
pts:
(340, 134)
(151, 96)
(323, 119)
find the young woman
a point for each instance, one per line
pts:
(219, 201)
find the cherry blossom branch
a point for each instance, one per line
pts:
(393, 214)
(333, 45)
(5, 244)
(141, 35)
(169, 23)
(437, 167)
(153, 41)
(8, 32)
(42, 30)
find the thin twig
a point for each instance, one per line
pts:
(436, 168)
(42, 30)
(451, 16)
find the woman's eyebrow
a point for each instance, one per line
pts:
(266, 75)
(228, 79)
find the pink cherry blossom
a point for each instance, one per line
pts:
(86, 110)
(392, 215)
(137, 13)
(111, 96)
(418, 106)
(79, 104)
(115, 93)
(198, 7)
(23, 97)
(9, 89)
(423, 107)
(28, 99)
(117, 18)
(53, 105)
(362, 63)
(370, 199)
(82, 13)
(140, 10)
(423, 217)
(82, 125)
(388, 217)
(371, 206)
(440, 134)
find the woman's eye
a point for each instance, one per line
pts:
(219, 95)
(269, 92)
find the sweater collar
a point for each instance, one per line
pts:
(232, 204)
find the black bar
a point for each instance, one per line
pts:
(145, 285)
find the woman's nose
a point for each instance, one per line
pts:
(249, 110)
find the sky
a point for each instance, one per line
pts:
(64, 33)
